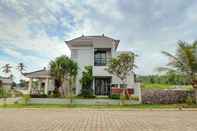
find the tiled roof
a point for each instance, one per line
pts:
(81, 38)
(38, 74)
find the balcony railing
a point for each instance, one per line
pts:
(101, 61)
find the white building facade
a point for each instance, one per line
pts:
(97, 51)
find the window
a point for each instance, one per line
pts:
(100, 58)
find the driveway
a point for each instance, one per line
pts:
(100, 120)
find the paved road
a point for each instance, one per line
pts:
(90, 120)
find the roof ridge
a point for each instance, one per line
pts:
(93, 36)
(35, 71)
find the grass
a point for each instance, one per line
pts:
(164, 86)
(134, 106)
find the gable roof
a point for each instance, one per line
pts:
(38, 74)
(89, 39)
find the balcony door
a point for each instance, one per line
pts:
(101, 56)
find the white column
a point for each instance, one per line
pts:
(93, 86)
(140, 92)
(46, 86)
(39, 84)
(30, 86)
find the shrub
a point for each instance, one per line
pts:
(87, 96)
(86, 82)
(1, 92)
(56, 93)
(38, 96)
(189, 100)
(25, 99)
(14, 93)
(115, 96)
(132, 97)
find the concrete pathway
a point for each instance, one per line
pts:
(99, 120)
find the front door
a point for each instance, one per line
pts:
(102, 86)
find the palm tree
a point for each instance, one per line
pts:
(7, 68)
(71, 76)
(184, 62)
(58, 69)
(21, 67)
(63, 68)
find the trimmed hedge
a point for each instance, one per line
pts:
(115, 96)
(38, 96)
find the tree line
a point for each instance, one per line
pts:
(170, 78)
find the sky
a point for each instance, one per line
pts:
(34, 31)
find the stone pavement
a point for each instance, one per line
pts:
(99, 120)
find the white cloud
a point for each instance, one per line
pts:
(142, 26)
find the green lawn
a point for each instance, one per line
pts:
(134, 106)
(164, 86)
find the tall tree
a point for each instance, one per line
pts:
(184, 62)
(72, 71)
(86, 82)
(21, 67)
(121, 66)
(7, 68)
(63, 68)
(58, 69)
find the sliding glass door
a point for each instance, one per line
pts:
(102, 86)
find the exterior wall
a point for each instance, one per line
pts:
(100, 71)
(165, 96)
(51, 85)
(77, 101)
(103, 43)
(84, 56)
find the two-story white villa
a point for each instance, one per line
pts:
(97, 51)
(87, 50)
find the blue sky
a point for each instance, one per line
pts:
(33, 32)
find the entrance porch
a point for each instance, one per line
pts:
(40, 82)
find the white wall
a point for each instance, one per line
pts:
(51, 85)
(100, 71)
(84, 56)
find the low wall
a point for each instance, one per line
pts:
(10, 100)
(150, 96)
(78, 101)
